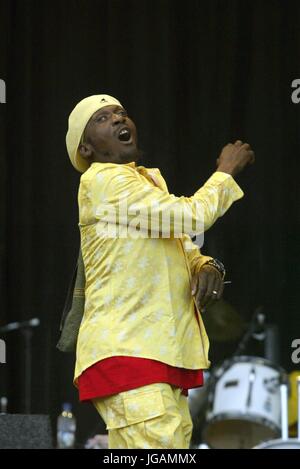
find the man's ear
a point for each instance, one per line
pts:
(85, 151)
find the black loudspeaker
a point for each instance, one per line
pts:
(25, 431)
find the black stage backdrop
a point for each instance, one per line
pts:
(194, 75)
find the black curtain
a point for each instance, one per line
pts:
(193, 75)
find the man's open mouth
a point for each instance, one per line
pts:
(124, 135)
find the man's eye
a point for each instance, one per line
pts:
(123, 112)
(101, 118)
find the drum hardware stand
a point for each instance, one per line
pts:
(26, 328)
(272, 343)
(284, 411)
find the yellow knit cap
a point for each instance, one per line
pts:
(78, 119)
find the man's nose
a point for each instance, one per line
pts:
(117, 118)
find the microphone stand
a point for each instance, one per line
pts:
(26, 329)
(27, 334)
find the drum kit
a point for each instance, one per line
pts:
(244, 401)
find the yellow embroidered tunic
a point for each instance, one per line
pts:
(138, 292)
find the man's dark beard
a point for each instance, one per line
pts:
(135, 155)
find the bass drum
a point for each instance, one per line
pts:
(244, 403)
(292, 443)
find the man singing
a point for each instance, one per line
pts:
(142, 343)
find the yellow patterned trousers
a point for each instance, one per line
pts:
(154, 416)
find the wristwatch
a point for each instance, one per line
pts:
(217, 265)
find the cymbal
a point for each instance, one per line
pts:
(222, 322)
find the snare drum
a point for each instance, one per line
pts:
(244, 403)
